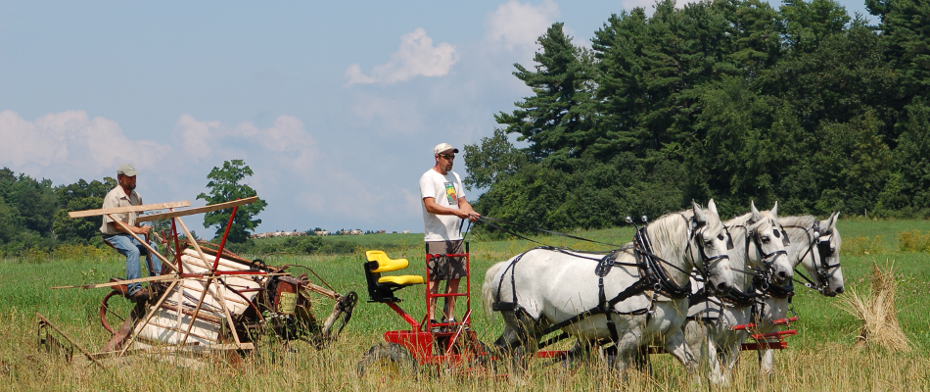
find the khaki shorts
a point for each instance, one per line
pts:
(445, 268)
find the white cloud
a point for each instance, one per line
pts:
(196, 136)
(286, 143)
(515, 24)
(416, 56)
(70, 142)
(387, 116)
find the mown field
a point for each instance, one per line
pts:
(821, 357)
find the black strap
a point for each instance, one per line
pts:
(488, 220)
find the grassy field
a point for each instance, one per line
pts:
(821, 357)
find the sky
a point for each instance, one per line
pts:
(335, 106)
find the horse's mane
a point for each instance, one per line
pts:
(738, 257)
(803, 221)
(669, 233)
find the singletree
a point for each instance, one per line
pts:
(225, 185)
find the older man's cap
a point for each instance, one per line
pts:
(442, 147)
(127, 170)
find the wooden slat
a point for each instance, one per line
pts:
(159, 278)
(123, 210)
(197, 210)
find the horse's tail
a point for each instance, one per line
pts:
(489, 288)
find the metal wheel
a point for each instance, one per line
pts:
(113, 313)
(387, 360)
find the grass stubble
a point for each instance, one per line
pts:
(823, 357)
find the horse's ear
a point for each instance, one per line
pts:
(774, 211)
(712, 207)
(756, 215)
(700, 219)
(831, 222)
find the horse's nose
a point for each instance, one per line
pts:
(839, 290)
(723, 288)
(782, 276)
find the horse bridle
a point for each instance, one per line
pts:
(706, 260)
(768, 259)
(824, 251)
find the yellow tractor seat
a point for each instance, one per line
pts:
(385, 263)
(400, 280)
(382, 288)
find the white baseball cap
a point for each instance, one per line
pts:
(442, 147)
(127, 170)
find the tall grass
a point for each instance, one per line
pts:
(821, 357)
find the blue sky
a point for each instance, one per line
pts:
(334, 105)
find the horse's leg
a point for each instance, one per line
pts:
(699, 337)
(627, 350)
(675, 345)
(580, 351)
(728, 358)
(767, 363)
(519, 339)
(510, 338)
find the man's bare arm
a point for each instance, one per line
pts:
(465, 211)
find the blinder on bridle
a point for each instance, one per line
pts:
(729, 238)
(781, 233)
(825, 248)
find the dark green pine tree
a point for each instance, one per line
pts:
(906, 26)
(557, 120)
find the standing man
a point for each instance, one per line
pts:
(444, 206)
(124, 195)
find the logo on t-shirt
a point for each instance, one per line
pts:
(450, 194)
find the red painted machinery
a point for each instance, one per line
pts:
(427, 343)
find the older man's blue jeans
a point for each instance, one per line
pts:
(132, 249)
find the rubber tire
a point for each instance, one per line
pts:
(391, 359)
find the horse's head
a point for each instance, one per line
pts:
(768, 242)
(816, 245)
(823, 262)
(710, 239)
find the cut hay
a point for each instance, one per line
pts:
(877, 312)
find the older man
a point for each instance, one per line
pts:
(444, 206)
(125, 195)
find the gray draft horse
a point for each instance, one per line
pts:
(550, 289)
(759, 254)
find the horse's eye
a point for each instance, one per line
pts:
(720, 237)
(766, 239)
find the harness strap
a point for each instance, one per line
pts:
(488, 220)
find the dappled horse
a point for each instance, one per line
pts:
(634, 296)
(815, 245)
(758, 257)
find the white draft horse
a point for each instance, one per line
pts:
(758, 256)
(547, 289)
(816, 245)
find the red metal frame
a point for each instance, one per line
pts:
(440, 347)
(445, 347)
(762, 342)
(467, 293)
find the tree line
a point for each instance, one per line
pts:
(727, 99)
(34, 213)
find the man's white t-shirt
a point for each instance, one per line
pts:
(446, 191)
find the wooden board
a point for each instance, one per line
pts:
(194, 265)
(123, 210)
(197, 210)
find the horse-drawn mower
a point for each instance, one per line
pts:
(208, 300)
